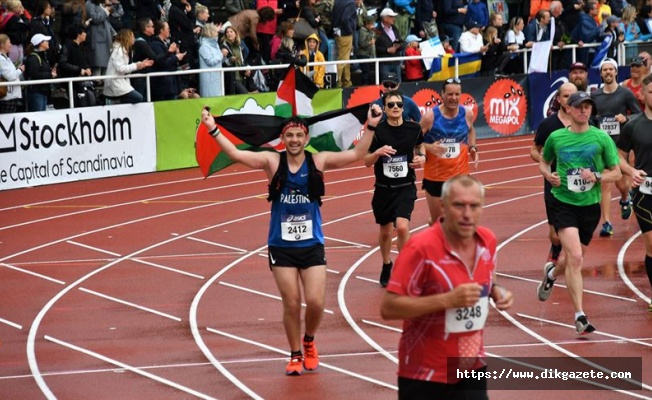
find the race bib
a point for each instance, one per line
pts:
(467, 319)
(452, 150)
(296, 227)
(646, 186)
(610, 125)
(395, 166)
(576, 183)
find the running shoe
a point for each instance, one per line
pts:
(310, 356)
(607, 230)
(385, 274)
(545, 287)
(626, 208)
(649, 307)
(295, 366)
(583, 326)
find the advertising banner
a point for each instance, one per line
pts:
(41, 148)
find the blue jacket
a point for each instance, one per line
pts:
(587, 30)
(478, 12)
(530, 32)
(210, 56)
(345, 16)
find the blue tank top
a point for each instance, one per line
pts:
(444, 128)
(295, 220)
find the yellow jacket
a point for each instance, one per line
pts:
(319, 70)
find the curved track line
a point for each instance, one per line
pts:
(620, 262)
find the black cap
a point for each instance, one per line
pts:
(638, 62)
(578, 98)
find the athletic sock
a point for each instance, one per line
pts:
(555, 250)
(308, 339)
(295, 354)
(579, 314)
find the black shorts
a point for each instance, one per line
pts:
(547, 198)
(391, 203)
(643, 210)
(296, 257)
(433, 188)
(466, 389)
(584, 218)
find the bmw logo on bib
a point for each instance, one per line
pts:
(468, 325)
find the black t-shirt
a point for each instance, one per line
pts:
(636, 136)
(546, 128)
(404, 138)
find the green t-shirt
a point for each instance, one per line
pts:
(592, 149)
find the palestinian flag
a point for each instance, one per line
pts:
(330, 131)
(294, 94)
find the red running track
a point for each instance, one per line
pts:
(157, 287)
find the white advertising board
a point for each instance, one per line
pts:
(57, 146)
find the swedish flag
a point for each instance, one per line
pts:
(443, 67)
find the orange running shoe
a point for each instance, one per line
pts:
(311, 360)
(295, 366)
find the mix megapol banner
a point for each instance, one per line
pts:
(41, 148)
(500, 106)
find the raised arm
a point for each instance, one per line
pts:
(265, 160)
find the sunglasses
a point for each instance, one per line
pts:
(390, 85)
(453, 80)
(393, 104)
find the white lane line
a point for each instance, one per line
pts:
(332, 271)
(176, 271)
(563, 342)
(598, 332)
(36, 274)
(364, 278)
(383, 326)
(537, 281)
(321, 363)
(216, 244)
(127, 303)
(259, 293)
(620, 262)
(347, 242)
(129, 368)
(12, 324)
(93, 248)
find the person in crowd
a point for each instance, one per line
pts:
(265, 30)
(367, 49)
(17, 28)
(73, 62)
(635, 138)
(614, 105)
(411, 110)
(449, 145)
(444, 312)
(309, 13)
(638, 69)
(202, 15)
(388, 45)
(515, 40)
(479, 12)
(617, 36)
(73, 13)
(642, 18)
(246, 24)
(235, 54)
(119, 64)
(312, 54)
(287, 53)
(43, 23)
(344, 23)
(496, 20)
(143, 51)
(586, 158)
(183, 30)
(604, 11)
(168, 58)
(558, 120)
(285, 29)
(494, 58)
(116, 14)
(632, 31)
(536, 6)
(296, 185)
(413, 68)
(471, 40)
(538, 30)
(572, 11)
(452, 20)
(394, 153)
(424, 17)
(586, 31)
(446, 44)
(100, 36)
(210, 56)
(148, 9)
(37, 67)
(560, 59)
(10, 73)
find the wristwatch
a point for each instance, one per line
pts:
(598, 176)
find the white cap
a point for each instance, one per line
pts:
(388, 12)
(609, 61)
(39, 38)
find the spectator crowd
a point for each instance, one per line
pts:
(121, 37)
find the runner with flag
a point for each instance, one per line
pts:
(295, 240)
